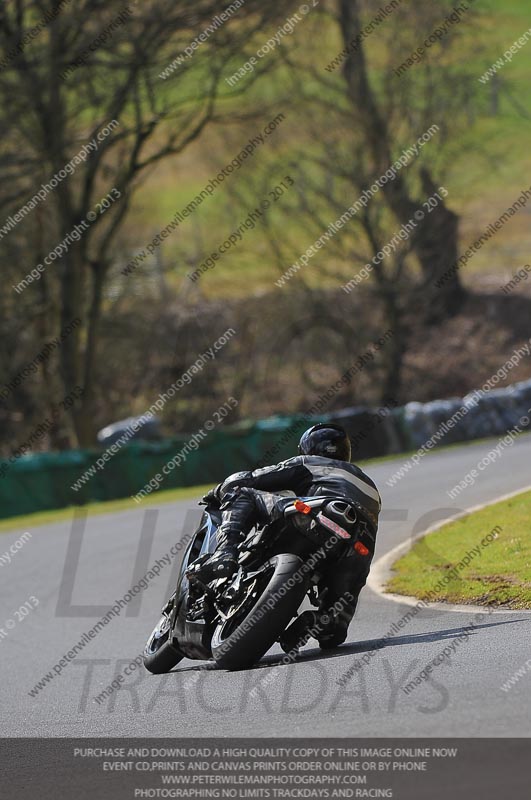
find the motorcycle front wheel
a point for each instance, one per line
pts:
(160, 655)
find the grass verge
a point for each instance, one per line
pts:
(108, 507)
(487, 554)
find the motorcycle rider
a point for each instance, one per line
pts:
(322, 468)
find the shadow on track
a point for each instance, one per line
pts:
(315, 654)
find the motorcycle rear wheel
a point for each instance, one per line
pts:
(240, 642)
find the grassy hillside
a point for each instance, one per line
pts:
(487, 169)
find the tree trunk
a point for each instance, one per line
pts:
(89, 356)
(435, 239)
(394, 349)
(72, 307)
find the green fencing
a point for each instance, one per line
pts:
(44, 481)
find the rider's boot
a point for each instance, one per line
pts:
(334, 627)
(298, 633)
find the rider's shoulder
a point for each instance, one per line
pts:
(334, 463)
(323, 461)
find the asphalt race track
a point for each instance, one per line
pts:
(462, 698)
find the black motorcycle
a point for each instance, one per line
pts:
(236, 620)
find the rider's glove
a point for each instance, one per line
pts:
(212, 498)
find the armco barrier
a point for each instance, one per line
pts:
(43, 481)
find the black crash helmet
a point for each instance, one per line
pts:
(325, 439)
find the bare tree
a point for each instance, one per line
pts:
(91, 64)
(441, 95)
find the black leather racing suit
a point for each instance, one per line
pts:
(248, 498)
